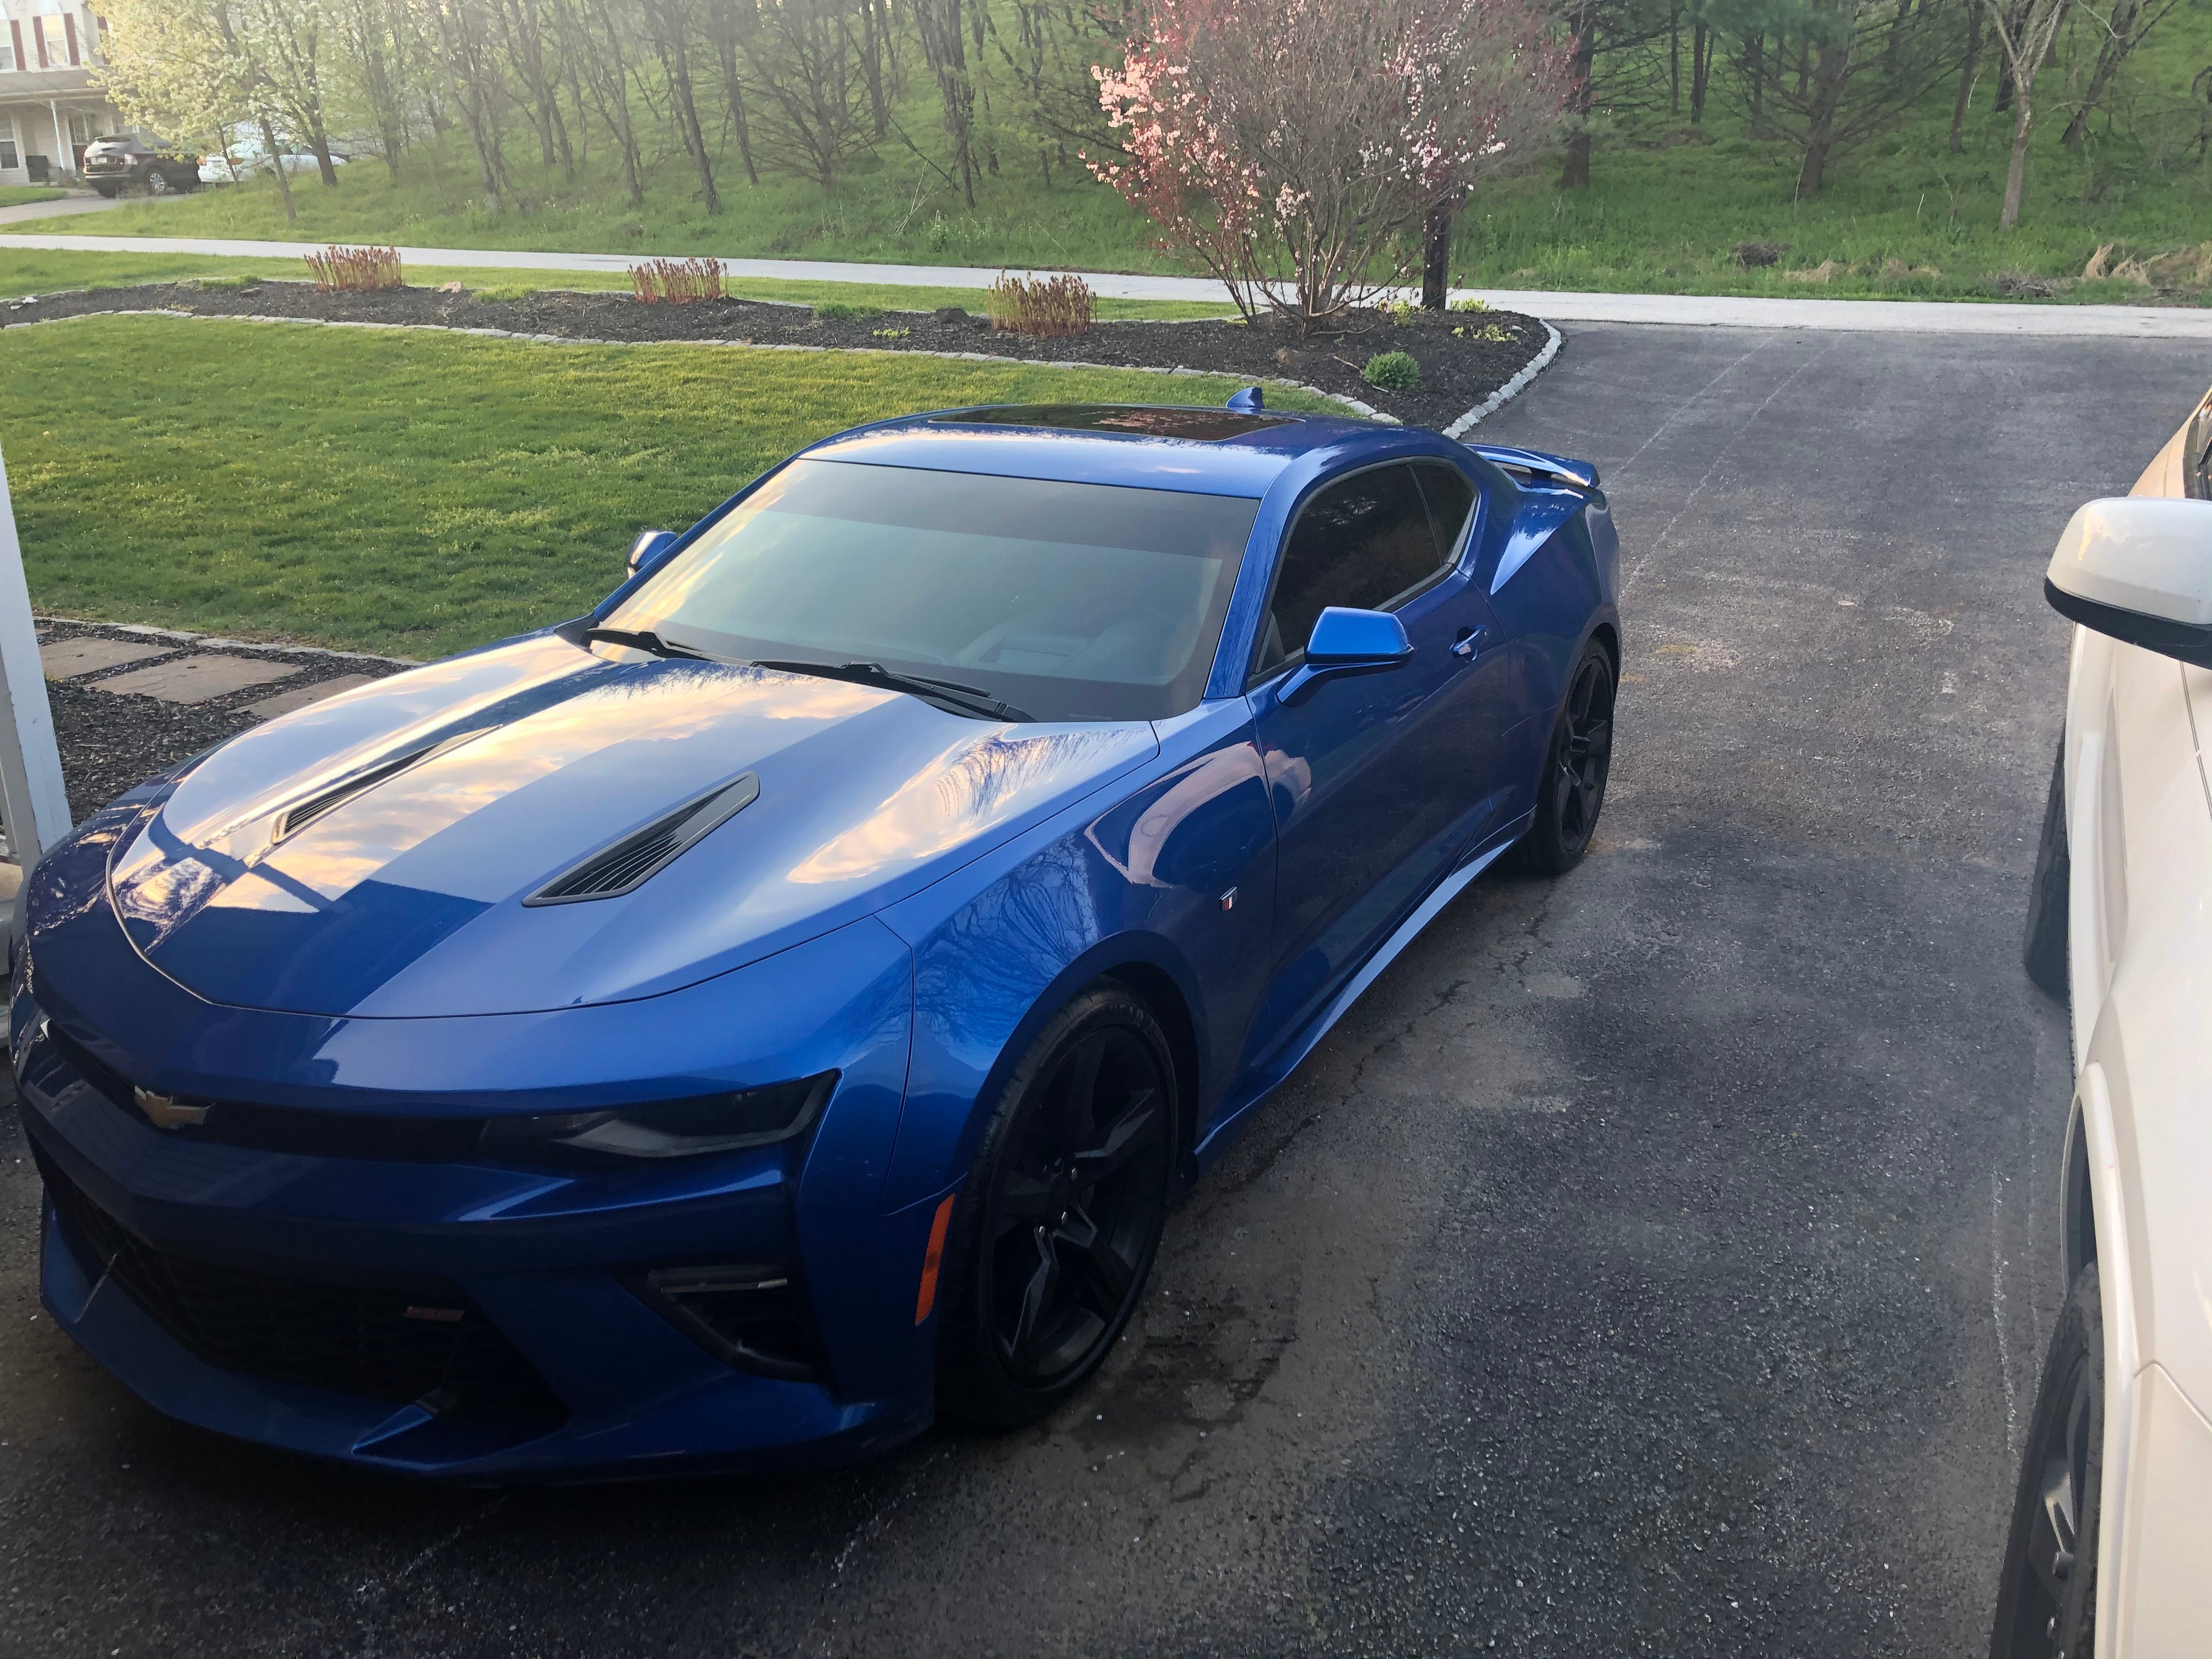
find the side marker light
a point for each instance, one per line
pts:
(932, 1259)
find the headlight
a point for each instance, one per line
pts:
(670, 1128)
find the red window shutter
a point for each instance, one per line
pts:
(38, 33)
(16, 34)
(69, 29)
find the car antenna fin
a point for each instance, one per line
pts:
(1250, 401)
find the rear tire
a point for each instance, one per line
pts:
(2043, 952)
(1055, 1230)
(2047, 1592)
(108, 190)
(1578, 759)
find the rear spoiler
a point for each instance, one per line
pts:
(1552, 469)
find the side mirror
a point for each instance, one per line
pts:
(1345, 641)
(647, 549)
(2139, 569)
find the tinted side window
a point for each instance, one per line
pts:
(1361, 543)
(1452, 498)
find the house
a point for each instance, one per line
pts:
(50, 109)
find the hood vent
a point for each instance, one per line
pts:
(297, 817)
(638, 857)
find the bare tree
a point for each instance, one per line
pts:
(1867, 62)
(727, 23)
(476, 87)
(2120, 30)
(944, 48)
(806, 55)
(1966, 64)
(594, 33)
(2023, 30)
(523, 34)
(671, 24)
(379, 44)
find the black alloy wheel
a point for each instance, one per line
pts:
(1059, 1221)
(1571, 792)
(2047, 1595)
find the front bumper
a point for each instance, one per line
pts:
(300, 1301)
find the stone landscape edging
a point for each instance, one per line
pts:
(1489, 405)
(1513, 388)
(213, 642)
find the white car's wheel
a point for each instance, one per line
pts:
(2047, 1595)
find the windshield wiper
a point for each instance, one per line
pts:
(645, 639)
(965, 699)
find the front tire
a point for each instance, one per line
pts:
(158, 182)
(2043, 952)
(1576, 763)
(2047, 1592)
(1057, 1227)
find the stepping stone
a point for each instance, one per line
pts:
(285, 702)
(197, 679)
(66, 659)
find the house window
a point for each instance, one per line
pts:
(79, 129)
(9, 158)
(7, 53)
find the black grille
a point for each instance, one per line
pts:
(753, 1318)
(423, 1343)
(311, 1134)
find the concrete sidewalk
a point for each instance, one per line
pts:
(27, 212)
(1835, 316)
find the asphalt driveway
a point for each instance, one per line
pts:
(1654, 1262)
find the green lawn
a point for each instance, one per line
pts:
(19, 194)
(414, 494)
(1902, 216)
(36, 270)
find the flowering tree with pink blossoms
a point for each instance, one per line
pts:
(1297, 148)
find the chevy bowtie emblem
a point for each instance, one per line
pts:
(166, 1111)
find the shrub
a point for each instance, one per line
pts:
(1470, 303)
(845, 311)
(1400, 313)
(893, 333)
(1392, 371)
(1041, 305)
(355, 270)
(676, 282)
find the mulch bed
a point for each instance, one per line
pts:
(109, 740)
(1457, 371)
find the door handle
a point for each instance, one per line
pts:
(1470, 641)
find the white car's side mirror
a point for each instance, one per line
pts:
(2139, 567)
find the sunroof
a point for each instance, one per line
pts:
(1138, 420)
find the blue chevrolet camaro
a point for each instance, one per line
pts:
(729, 1027)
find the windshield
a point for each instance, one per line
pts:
(1071, 601)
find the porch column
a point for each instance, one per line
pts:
(62, 159)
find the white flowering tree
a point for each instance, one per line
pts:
(1298, 148)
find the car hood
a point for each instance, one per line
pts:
(406, 898)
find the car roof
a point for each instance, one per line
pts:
(1206, 451)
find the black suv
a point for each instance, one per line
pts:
(111, 164)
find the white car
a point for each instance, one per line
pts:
(2110, 1547)
(250, 161)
